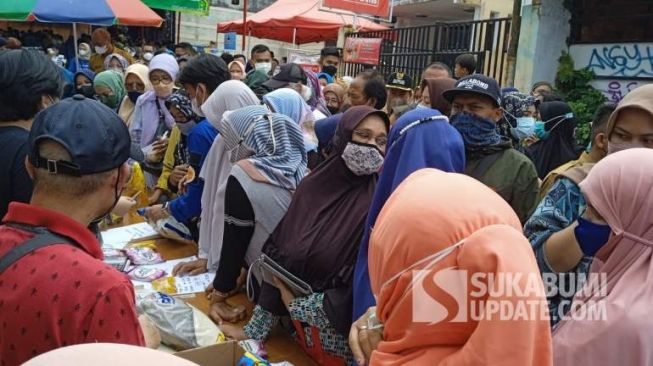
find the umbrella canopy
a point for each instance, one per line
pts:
(279, 21)
(96, 12)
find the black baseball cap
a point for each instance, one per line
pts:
(401, 81)
(288, 73)
(330, 51)
(475, 84)
(94, 136)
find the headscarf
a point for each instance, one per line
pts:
(180, 100)
(112, 80)
(146, 109)
(619, 189)
(432, 211)
(318, 238)
(317, 99)
(228, 96)
(88, 73)
(559, 147)
(123, 62)
(325, 129)
(275, 143)
(324, 75)
(639, 98)
(421, 138)
(254, 80)
(336, 89)
(239, 64)
(126, 110)
(514, 104)
(288, 102)
(436, 87)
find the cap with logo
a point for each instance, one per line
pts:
(475, 84)
(288, 73)
(94, 136)
(401, 81)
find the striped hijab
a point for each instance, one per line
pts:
(271, 142)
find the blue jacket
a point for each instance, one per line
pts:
(189, 205)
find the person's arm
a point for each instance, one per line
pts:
(526, 191)
(310, 310)
(169, 159)
(260, 324)
(239, 224)
(114, 318)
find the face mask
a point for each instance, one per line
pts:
(263, 66)
(147, 56)
(163, 91)
(330, 69)
(100, 50)
(362, 159)
(110, 101)
(525, 128)
(614, 147)
(591, 236)
(86, 90)
(540, 131)
(84, 53)
(307, 93)
(119, 70)
(196, 107)
(185, 128)
(333, 110)
(133, 95)
(476, 131)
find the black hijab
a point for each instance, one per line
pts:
(318, 238)
(558, 148)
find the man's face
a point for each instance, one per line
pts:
(180, 51)
(433, 73)
(398, 97)
(148, 49)
(355, 92)
(330, 61)
(241, 59)
(262, 57)
(478, 105)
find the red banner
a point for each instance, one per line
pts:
(379, 8)
(362, 50)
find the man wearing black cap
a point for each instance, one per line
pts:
(476, 101)
(290, 76)
(56, 289)
(400, 95)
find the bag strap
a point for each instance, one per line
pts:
(37, 242)
(485, 164)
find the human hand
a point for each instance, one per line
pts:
(157, 151)
(191, 268)
(155, 213)
(220, 311)
(123, 206)
(286, 295)
(364, 341)
(154, 197)
(177, 174)
(234, 332)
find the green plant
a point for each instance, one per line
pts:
(574, 86)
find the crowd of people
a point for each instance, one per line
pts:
(353, 185)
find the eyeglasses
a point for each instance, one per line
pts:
(164, 81)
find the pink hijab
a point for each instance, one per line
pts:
(619, 188)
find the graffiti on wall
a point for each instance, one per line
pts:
(616, 90)
(634, 60)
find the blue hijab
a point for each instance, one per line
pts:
(325, 129)
(421, 138)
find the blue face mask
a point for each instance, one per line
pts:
(476, 131)
(591, 236)
(525, 128)
(540, 131)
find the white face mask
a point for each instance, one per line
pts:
(196, 107)
(263, 66)
(100, 50)
(83, 52)
(147, 56)
(307, 93)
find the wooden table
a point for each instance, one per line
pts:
(280, 346)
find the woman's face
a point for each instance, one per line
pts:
(634, 127)
(177, 115)
(323, 82)
(114, 64)
(134, 84)
(332, 100)
(82, 80)
(236, 72)
(371, 131)
(162, 83)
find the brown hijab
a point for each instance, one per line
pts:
(436, 87)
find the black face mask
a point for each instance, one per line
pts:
(133, 95)
(333, 110)
(86, 90)
(330, 69)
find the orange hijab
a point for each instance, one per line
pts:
(429, 212)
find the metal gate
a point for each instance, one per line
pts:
(411, 49)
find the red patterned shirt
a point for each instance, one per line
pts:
(60, 295)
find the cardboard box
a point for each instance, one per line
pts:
(221, 354)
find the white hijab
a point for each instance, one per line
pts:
(229, 96)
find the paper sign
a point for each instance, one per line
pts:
(373, 7)
(184, 285)
(119, 237)
(362, 50)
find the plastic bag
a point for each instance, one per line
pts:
(143, 256)
(181, 325)
(172, 229)
(146, 274)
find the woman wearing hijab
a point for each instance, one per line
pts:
(84, 55)
(84, 83)
(617, 226)
(518, 122)
(421, 138)
(152, 120)
(316, 101)
(325, 129)
(116, 63)
(435, 222)
(268, 157)
(556, 145)
(432, 94)
(318, 240)
(237, 70)
(136, 84)
(229, 96)
(109, 88)
(334, 96)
